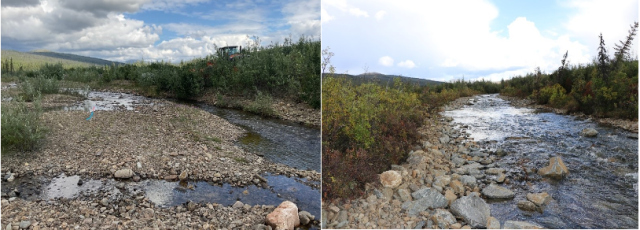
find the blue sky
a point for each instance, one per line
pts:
(447, 40)
(124, 30)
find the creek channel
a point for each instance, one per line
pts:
(600, 190)
(279, 141)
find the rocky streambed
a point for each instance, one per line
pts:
(486, 164)
(148, 163)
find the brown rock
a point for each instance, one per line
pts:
(457, 186)
(171, 177)
(539, 199)
(285, 216)
(390, 179)
(556, 169)
(501, 177)
(183, 176)
(527, 206)
(123, 173)
(450, 196)
(493, 223)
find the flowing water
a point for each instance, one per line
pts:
(599, 192)
(279, 141)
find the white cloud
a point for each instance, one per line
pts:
(358, 12)
(100, 29)
(170, 5)
(325, 17)
(386, 61)
(407, 64)
(380, 14)
(344, 7)
(598, 16)
(303, 16)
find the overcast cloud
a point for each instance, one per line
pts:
(124, 30)
(446, 40)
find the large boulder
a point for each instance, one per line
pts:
(390, 179)
(285, 216)
(509, 224)
(473, 209)
(123, 174)
(424, 199)
(556, 169)
(497, 192)
(589, 132)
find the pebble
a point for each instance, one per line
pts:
(25, 224)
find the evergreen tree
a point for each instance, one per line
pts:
(622, 49)
(603, 61)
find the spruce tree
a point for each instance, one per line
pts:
(622, 49)
(603, 61)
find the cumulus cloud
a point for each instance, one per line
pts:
(101, 8)
(170, 5)
(325, 16)
(407, 64)
(102, 28)
(385, 61)
(20, 3)
(58, 25)
(380, 15)
(449, 45)
(303, 17)
(590, 21)
(344, 7)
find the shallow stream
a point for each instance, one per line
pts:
(600, 190)
(279, 141)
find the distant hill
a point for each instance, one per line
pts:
(78, 58)
(384, 79)
(33, 60)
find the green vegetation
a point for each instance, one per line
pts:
(368, 126)
(288, 70)
(32, 62)
(607, 87)
(261, 105)
(22, 128)
(78, 58)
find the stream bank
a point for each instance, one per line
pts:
(158, 141)
(477, 167)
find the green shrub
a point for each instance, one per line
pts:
(261, 105)
(365, 129)
(22, 129)
(55, 71)
(32, 88)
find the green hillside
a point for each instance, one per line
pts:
(73, 57)
(383, 79)
(33, 60)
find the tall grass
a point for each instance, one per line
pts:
(31, 88)
(22, 129)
